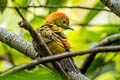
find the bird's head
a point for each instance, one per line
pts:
(59, 19)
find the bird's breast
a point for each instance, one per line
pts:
(55, 48)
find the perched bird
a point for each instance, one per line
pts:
(52, 34)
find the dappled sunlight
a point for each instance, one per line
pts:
(91, 20)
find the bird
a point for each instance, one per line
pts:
(52, 33)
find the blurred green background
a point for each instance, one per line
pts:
(104, 67)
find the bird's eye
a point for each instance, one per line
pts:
(64, 21)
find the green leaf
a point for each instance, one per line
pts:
(93, 13)
(95, 64)
(20, 2)
(3, 4)
(75, 1)
(41, 73)
(102, 70)
(103, 64)
(55, 2)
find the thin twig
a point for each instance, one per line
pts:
(60, 56)
(4, 58)
(103, 65)
(27, 49)
(59, 6)
(107, 41)
(111, 25)
(114, 7)
(10, 58)
(9, 55)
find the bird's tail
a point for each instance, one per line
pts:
(69, 65)
(72, 70)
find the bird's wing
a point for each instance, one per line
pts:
(48, 35)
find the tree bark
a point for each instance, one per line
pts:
(17, 43)
(114, 5)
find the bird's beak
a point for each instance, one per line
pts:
(70, 27)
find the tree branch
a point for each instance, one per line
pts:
(4, 58)
(107, 41)
(59, 6)
(60, 56)
(17, 43)
(114, 6)
(27, 48)
(9, 55)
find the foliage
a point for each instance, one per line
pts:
(40, 73)
(83, 37)
(3, 3)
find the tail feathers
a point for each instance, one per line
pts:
(68, 65)
(72, 70)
